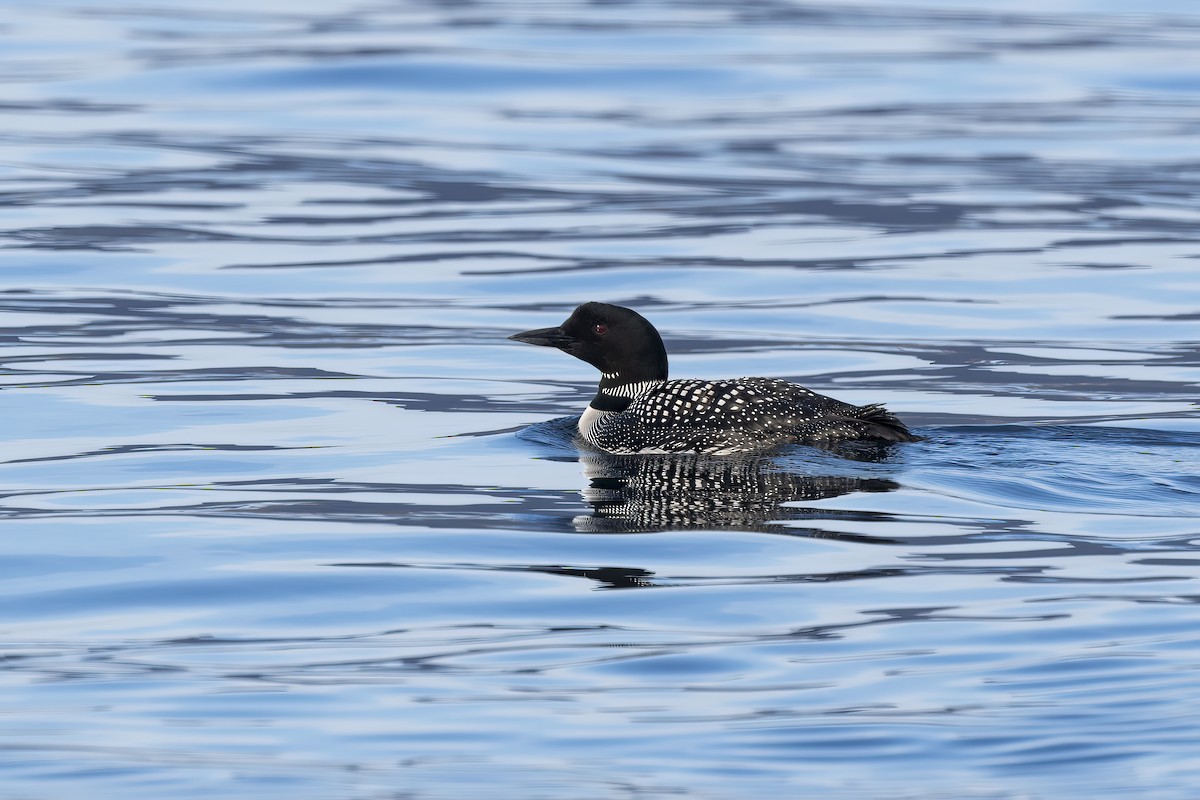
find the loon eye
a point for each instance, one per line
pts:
(600, 328)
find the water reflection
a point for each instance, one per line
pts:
(629, 494)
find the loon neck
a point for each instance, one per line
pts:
(616, 392)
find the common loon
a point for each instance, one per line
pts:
(637, 410)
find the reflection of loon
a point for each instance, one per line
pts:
(629, 494)
(637, 410)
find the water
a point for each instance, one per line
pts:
(286, 516)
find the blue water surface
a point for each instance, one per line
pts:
(285, 514)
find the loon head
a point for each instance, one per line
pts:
(618, 341)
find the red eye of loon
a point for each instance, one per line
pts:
(600, 328)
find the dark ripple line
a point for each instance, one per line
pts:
(127, 449)
(639, 578)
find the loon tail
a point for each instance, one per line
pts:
(880, 423)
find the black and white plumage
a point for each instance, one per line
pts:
(637, 410)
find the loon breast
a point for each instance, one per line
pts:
(590, 419)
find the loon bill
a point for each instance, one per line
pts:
(637, 410)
